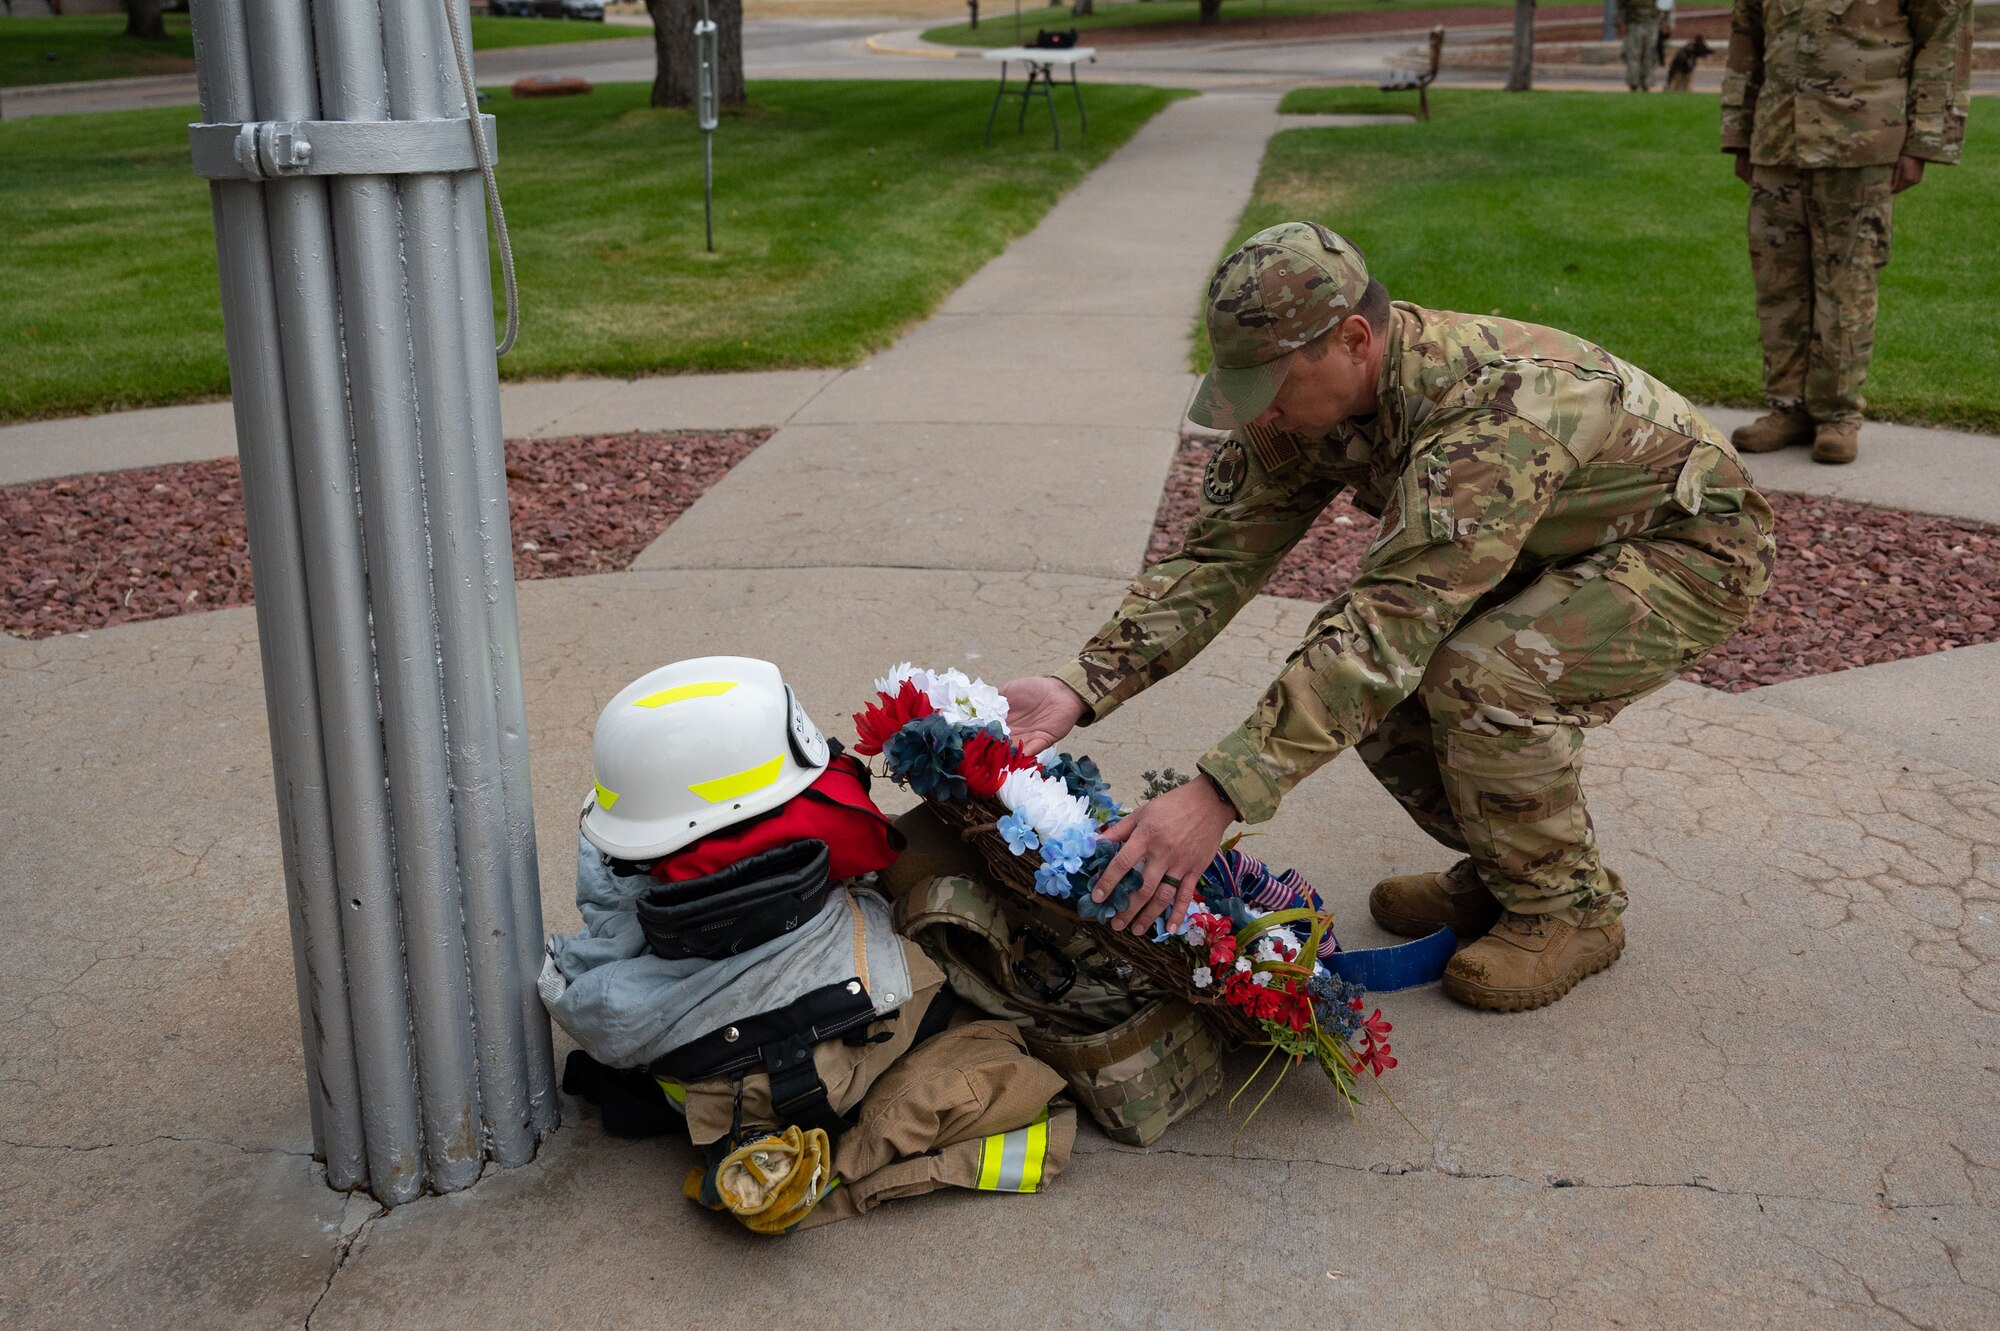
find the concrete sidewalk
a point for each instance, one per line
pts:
(1109, 370)
(195, 433)
(1916, 467)
(1775, 1111)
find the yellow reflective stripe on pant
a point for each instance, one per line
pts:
(1012, 1161)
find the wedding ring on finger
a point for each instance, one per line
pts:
(1170, 881)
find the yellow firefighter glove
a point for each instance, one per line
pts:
(771, 1183)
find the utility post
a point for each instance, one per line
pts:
(350, 235)
(707, 106)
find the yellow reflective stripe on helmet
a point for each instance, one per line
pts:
(680, 693)
(1012, 1161)
(605, 798)
(735, 787)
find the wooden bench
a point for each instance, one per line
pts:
(1404, 80)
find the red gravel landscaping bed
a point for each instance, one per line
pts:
(117, 547)
(1854, 585)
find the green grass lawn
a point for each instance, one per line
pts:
(844, 212)
(1617, 218)
(492, 34)
(996, 21)
(80, 47)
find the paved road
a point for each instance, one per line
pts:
(838, 48)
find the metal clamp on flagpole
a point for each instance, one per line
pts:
(275, 149)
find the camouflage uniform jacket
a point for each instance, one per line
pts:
(1497, 449)
(1843, 83)
(1638, 11)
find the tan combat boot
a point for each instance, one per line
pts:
(1415, 905)
(1836, 442)
(1529, 961)
(1772, 431)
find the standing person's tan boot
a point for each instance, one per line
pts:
(1836, 442)
(1415, 905)
(1772, 431)
(1529, 961)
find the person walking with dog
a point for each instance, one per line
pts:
(1561, 534)
(1641, 22)
(1832, 108)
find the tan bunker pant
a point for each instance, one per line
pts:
(965, 1109)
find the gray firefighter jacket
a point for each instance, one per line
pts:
(627, 1007)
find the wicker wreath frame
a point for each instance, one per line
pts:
(976, 820)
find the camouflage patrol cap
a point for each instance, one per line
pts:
(1284, 287)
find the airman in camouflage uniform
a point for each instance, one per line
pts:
(1641, 21)
(1561, 534)
(1832, 107)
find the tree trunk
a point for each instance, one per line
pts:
(1080, 8)
(144, 20)
(1211, 13)
(1522, 76)
(673, 48)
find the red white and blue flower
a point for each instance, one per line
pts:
(945, 737)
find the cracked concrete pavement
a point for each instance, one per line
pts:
(1775, 1111)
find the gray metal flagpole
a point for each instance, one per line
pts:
(351, 244)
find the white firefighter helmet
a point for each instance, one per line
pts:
(693, 747)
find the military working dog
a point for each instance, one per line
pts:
(1681, 72)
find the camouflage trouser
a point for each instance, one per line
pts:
(1642, 55)
(1817, 240)
(1486, 754)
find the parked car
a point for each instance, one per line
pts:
(589, 10)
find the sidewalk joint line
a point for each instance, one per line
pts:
(831, 380)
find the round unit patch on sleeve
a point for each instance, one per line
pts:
(1228, 467)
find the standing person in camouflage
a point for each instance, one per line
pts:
(1832, 107)
(1561, 534)
(1641, 21)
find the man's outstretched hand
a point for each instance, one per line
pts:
(1174, 836)
(1041, 709)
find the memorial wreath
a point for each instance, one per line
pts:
(1252, 954)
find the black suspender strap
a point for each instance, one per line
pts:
(797, 1094)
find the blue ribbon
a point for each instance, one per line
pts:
(1383, 970)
